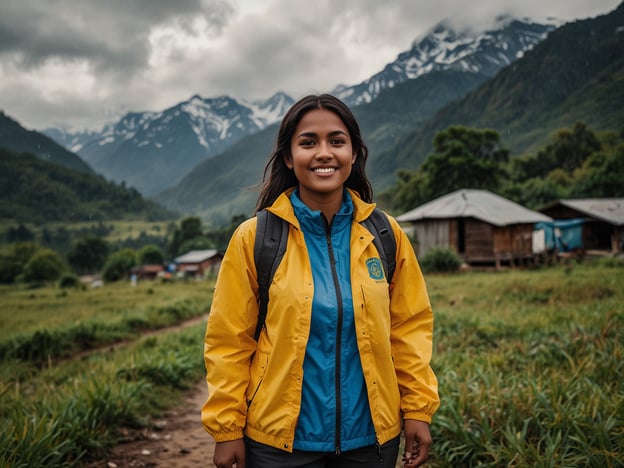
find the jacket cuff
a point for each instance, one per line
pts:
(418, 416)
(227, 436)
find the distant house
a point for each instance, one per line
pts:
(198, 263)
(602, 220)
(482, 227)
(147, 271)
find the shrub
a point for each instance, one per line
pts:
(119, 264)
(440, 260)
(69, 280)
(151, 255)
(44, 265)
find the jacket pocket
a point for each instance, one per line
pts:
(257, 372)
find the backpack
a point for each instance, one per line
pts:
(270, 246)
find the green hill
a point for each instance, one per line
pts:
(576, 74)
(33, 190)
(16, 138)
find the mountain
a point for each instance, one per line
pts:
(16, 138)
(576, 74)
(217, 188)
(35, 190)
(153, 150)
(446, 48)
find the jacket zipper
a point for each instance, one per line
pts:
(332, 261)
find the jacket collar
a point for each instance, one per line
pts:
(283, 208)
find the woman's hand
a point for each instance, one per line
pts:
(229, 454)
(417, 442)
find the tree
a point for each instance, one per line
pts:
(44, 265)
(602, 175)
(465, 158)
(568, 149)
(19, 234)
(151, 255)
(190, 228)
(13, 259)
(119, 264)
(88, 254)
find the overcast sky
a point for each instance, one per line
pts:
(79, 63)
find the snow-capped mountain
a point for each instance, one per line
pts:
(153, 150)
(446, 48)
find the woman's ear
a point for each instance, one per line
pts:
(288, 161)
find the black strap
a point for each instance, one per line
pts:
(269, 248)
(385, 242)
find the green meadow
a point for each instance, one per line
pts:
(530, 365)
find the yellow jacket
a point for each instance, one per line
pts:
(256, 389)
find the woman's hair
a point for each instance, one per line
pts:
(279, 177)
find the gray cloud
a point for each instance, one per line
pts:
(81, 62)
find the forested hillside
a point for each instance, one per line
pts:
(33, 190)
(16, 138)
(573, 75)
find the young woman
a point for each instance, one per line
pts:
(342, 363)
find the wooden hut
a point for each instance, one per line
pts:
(482, 227)
(603, 221)
(198, 263)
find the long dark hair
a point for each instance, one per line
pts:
(279, 177)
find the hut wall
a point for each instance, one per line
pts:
(514, 241)
(431, 234)
(478, 241)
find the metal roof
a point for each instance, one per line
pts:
(605, 209)
(472, 203)
(196, 256)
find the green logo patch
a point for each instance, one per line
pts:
(375, 270)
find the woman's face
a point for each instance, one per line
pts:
(322, 157)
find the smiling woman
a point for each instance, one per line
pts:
(341, 363)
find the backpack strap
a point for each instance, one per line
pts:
(379, 226)
(269, 248)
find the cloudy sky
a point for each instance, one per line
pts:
(80, 63)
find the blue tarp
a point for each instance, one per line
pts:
(564, 234)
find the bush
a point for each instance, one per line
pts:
(119, 264)
(69, 280)
(44, 265)
(151, 255)
(440, 260)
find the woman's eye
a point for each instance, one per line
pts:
(306, 142)
(337, 141)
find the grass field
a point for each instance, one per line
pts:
(530, 365)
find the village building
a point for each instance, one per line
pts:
(147, 271)
(199, 263)
(480, 226)
(598, 223)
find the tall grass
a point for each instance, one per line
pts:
(71, 413)
(531, 368)
(530, 365)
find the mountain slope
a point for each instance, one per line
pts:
(34, 190)
(16, 138)
(446, 48)
(576, 74)
(153, 150)
(215, 188)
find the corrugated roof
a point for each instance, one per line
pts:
(196, 256)
(472, 203)
(605, 209)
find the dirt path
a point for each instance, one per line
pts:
(176, 440)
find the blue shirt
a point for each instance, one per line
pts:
(335, 413)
